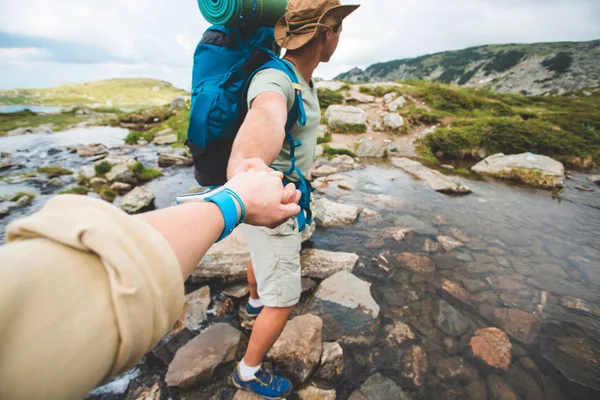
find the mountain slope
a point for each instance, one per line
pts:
(514, 68)
(108, 93)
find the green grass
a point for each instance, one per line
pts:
(135, 136)
(80, 190)
(112, 93)
(325, 139)
(103, 168)
(25, 119)
(18, 196)
(145, 174)
(328, 97)
(349, 128)
(52, 171)
(107, 193)
(336, 152)
(462, 171)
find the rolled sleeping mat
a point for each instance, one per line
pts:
(243, 12)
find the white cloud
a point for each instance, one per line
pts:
(157, 37)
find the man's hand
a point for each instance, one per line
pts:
(267, 202)
(291, 195)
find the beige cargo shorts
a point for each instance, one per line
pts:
(275, 257)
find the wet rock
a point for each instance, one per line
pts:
(342, 118)
(349, 313)
(456, 291)
(576, 356)
(594, 178)
(395, 104)
(178, 159)
(332, 362)
(369, 149)
(345, 186)
(120, 187)
(564, 287)
(87, 172)
(378, 387)
(524, 385)
(91, 150)
(321, 264)
(491, 346)
(399, 234)
(328, 213)
(455, 368)
(314, 393)
(324, 170)
(430, 246)
(448, 243)
(121, 173)
(416, 263)
(451, 346)
(165, 140)
(497, 389)
(237, 291)
(344, 162)
(393, 121)
(298, 350)
(179, 102)
(531, 169)
(196, 361)
(504, 282)
(6, 163)
(194, 309)
(476, 391)
(519, 325)
(580, 306)
(449, 319)
(437, 181)
(138, 200)
(225, 261)
(414, 365)
(397, 334)
(474, 285)
(417, 226)
(56, 182)
(118, 160)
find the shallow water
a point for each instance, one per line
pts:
(521, 250)
(6, 109)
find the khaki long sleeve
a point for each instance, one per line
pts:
(85, 291)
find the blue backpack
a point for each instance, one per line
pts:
(225, 62)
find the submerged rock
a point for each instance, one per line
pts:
(298, 350)
(531, 169)
(378, 387)
(519, 325)
(196, 361)
(435, 179)
(414, 365)
(138, 200)
(367, 148)
(493, 347)
(449, 319)
(397, 334)
(455, 368)
(416, 263)
(321, 264)
(328, 213)
(349, 312)
(448, 243)
(332, 362)
(498, 389)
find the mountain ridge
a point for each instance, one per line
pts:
(536, 69)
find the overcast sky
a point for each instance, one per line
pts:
(49, 42)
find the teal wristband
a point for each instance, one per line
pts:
(240, 202)
(225, 201)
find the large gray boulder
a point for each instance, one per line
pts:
(367, 148)
(179, 102)
(174, 158)
(226, 261)
(531, 169)
(437, 181)
(396, 104)
(165, 140)
(349, 312)
(298, 350)
(321, 264)
(196, 361)
(121, 173)
(328, 213)
(138, 200)
(392, 121)
(346, 118)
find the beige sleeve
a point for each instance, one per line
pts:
(271, 80)
(85, 292)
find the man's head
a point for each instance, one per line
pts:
(317, 23)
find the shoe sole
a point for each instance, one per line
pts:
(264, 397)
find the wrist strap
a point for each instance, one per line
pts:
(225, 201)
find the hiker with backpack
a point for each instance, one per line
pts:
(270, 122)
(86, 290)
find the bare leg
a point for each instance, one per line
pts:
(266, 330)
(252, 282)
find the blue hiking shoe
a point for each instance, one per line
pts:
(264, 384)
(253, 311)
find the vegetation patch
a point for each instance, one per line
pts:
(328, 97)
(560, 63)
(330, 151)
(325, 139)
(503, 61)
(54, 171)
(103, 168)
(17, 196)
(133, 137)
(107, 193)
(145, 174)
(349, 128)
(80, 190)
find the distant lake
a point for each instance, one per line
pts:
(36, 109)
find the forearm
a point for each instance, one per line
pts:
(190, 229)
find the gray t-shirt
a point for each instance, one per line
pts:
(272, 80)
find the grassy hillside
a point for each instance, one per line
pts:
(109, 93)
(528, 68)
(473, 122)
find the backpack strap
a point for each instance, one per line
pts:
(296, 114)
